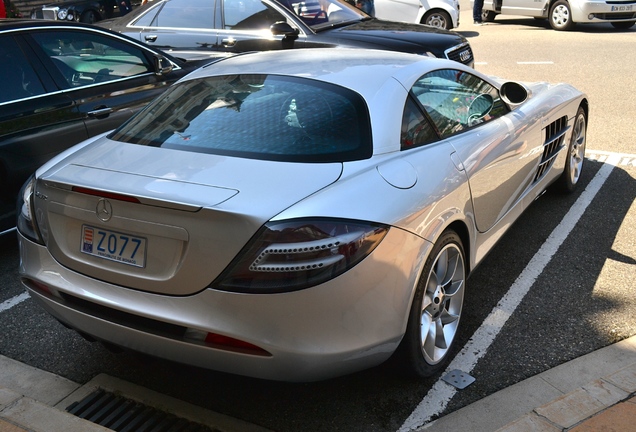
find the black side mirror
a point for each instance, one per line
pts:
(283, 28)
(163, 66)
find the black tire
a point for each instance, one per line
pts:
(436, 310)
(623, 25)
(89, 17)
(438, 18)
(571, 175)
(488, 15)
(561, 16)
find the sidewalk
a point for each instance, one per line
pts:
(592, 393)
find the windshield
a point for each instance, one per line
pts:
(258, 117)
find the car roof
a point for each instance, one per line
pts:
(19, 23)
(362, 70)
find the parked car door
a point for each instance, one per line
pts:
(108, 79)
(471, 113)
(394, 10)
(245, 22)
(523, 7)
(30, 107)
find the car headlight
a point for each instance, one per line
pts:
(296, 254)
(27, 224)
(62, 13)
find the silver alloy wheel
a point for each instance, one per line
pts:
(439, 19)
(442, 303)
(560, 16)
(577, 148)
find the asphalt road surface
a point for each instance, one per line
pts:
(559, 285)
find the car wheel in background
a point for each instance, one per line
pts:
(437, 307)
(89, 17)
(561, 16)
(623, 25)
(438, 18)
(575, 156)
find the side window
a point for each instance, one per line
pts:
(19, 80)
(249, 15)
(85, 58)
(416, 129)
(456, 100)
(192, 14)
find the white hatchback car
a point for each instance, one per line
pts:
(437, 13)
(565, 14)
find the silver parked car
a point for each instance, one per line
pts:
(565, 14)
(276, 216)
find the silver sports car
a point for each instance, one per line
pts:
(296, 215)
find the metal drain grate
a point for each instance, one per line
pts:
(125, 415)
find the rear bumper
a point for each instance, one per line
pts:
(347, 324)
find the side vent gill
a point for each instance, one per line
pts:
(554, 136)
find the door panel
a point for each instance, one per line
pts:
(500, 158)
(398, 10)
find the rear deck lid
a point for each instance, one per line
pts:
(162, 220)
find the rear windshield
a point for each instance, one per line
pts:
(256, 116)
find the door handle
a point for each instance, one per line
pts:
(150, 38)
(228, 42)
(100, 112)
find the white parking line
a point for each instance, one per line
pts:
(8, 304)
(441, 393)
(535, 62)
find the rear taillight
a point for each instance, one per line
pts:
(300, 253)
(27, 223)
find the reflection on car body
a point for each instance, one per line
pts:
(278, 217)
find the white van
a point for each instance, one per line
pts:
(564, 14)
(437, 13)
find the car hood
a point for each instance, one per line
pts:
(415, 38)
(195, 211)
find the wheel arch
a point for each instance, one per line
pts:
(431, 11)
(461, 229)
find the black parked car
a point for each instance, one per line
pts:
(63, 83)
(86, 11)
(259, 25)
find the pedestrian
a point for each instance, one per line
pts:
(477, 9)
(367, 6)
(124, 7)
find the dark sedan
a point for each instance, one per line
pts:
(261, 25)
(63, 83)
(86, 11)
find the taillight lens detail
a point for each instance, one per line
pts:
(27, 223)
(300, 253)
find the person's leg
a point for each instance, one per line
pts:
(477, 7)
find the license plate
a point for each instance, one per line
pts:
(622, 8)
(114, 246)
